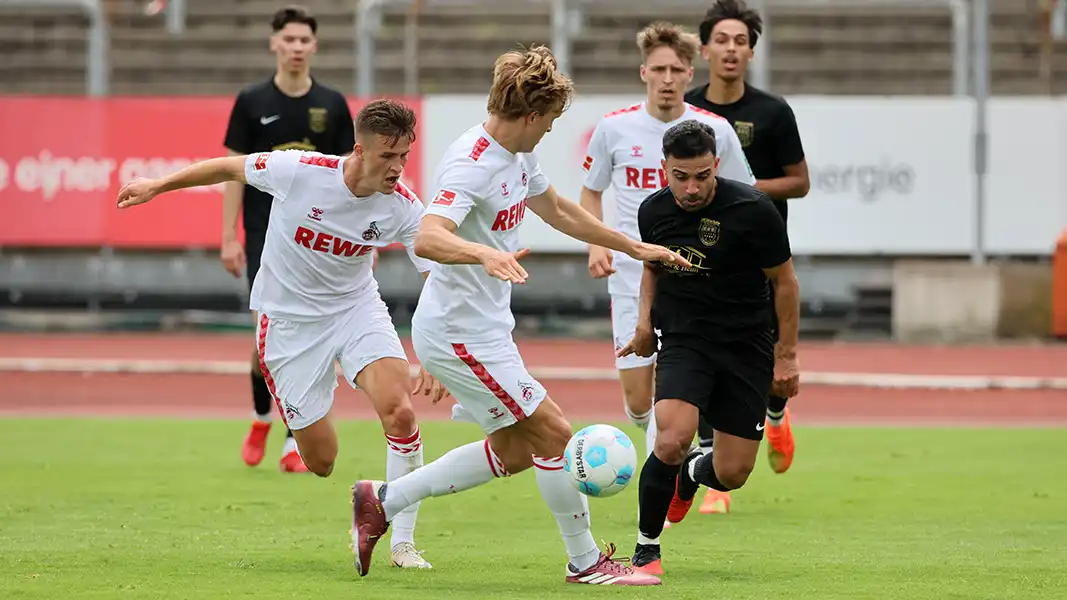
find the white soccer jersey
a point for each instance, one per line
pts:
(482, 188)
(318, 255)
(625, 152)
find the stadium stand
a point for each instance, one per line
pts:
(817, 49)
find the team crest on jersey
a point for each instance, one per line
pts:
(372, 232)
(709, 232)
(524, 178)
(317, 119)
(746, 131)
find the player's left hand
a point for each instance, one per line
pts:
(786, 373)
(643, 344)
(138, 191)
(653, 253)
(430, 386)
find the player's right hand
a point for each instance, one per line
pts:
(430, 386)
(643, 344)
(138, 191)
(600, 260)
(505, 265)
(786, 382)
(232, 256)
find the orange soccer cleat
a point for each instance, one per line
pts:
(715, 502)
(780, 445)
(292, 463)
(255, 444)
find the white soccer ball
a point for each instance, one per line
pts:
(601, 460)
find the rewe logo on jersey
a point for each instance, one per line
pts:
(510, 217)
(329, 244)
(646, 179)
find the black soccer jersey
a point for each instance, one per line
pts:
(264, 119)
(724, 295)
(766, 127)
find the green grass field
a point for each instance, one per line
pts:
(165, 509)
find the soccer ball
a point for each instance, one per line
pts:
(601, 460)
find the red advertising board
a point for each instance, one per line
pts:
(63, 160)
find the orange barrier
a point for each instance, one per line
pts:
(63, 161)
(1059, 287)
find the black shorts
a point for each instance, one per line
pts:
(254, 241)
(727, 381)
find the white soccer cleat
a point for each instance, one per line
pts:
(406, 556)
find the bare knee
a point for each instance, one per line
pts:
(637, 389)
(397, 414)
(319, 460)
(732, 472)
(553, 436)
(672, 444)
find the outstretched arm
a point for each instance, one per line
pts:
(207, 172)
(437, 241)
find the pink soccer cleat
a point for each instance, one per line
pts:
(368, 522)
(610, 572)
(255, 444)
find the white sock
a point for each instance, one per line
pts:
(403, 457)
(461, 469)
(267, 418)
(290, 445)
(571, 510)
(646, 541)
(639, 420)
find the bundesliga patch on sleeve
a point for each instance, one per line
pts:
(261, 161)
(588, 164)
(444, 198)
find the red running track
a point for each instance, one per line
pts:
(198, 396)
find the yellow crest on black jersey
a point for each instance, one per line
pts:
(745, 132)
(317, 119)
(709, 232)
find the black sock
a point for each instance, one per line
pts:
(705, 434)
(261, 397)
(654, 495)
(704, 473)
(776, 405)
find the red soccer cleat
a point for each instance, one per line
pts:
(368, 522)
(255, 444)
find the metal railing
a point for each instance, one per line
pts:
(567, 16)
(98, 64)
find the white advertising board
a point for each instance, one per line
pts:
(889, 176)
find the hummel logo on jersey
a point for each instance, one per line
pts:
(445, 198)
(504, 189)
(269, 120)
(315, 214)
(372, 232)
(329, 244)
(636, 151)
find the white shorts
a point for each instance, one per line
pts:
(297, 358)
(488, 379)
(623, 327)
